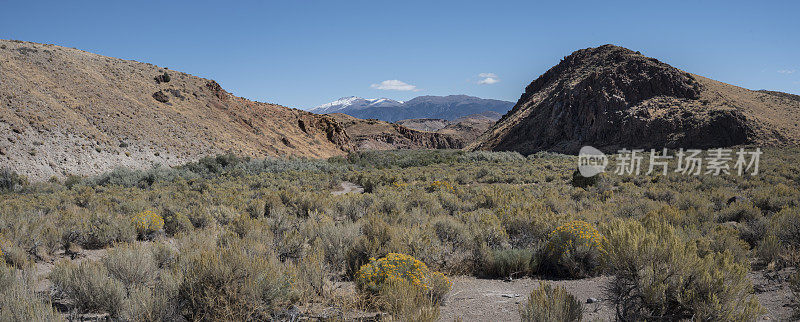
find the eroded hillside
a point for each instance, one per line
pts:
(67, 111)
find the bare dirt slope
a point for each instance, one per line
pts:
(67, 111)
(611, 97)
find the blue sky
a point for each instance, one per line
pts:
(304, 53)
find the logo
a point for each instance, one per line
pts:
(591, 161)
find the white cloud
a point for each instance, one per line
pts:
(488, 78)
(395, 85)
(786, 71)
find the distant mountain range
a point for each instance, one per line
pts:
(434, 107)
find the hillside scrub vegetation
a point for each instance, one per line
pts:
(229, 238)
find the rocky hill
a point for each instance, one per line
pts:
(610, 97)
(66, 111)
(380, 135)
(434, 107)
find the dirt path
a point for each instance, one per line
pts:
(348, 187)
(474, 299)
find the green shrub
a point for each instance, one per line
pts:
(12, 254)
(335, 239)
(163, 78)
(574, 250)
(103, 229)
(769, 251)
(583, 182)
(753, 231)
(787, 226)
(131, 264)
(18, 298)
(450, 230)
(724, 238)
(547, 304)
(311, 273)
(176, 222)
(484, 225)
(232, 283)
(10, 180)
(508, 263)
(200, 218)
(156, 303)
(773, 198)
(780, 246)
(407, 302)
(739, 212)
(89, 286)
(659, 276)
(374, 242)
(794, 285)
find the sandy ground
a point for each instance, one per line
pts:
(475, 299)
(348, 187)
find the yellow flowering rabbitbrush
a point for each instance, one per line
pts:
(147, 222)
(575, 249)
(440, 185)
(373, 276)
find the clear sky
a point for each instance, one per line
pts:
(304, 53)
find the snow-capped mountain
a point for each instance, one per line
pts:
(353, 103)
(440, 107)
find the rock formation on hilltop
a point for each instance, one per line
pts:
(465, 128)
(611, 97)
(379, 135)
(66, 111)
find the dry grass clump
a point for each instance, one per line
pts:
(547, 304)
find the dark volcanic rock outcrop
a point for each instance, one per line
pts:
(611, 97)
